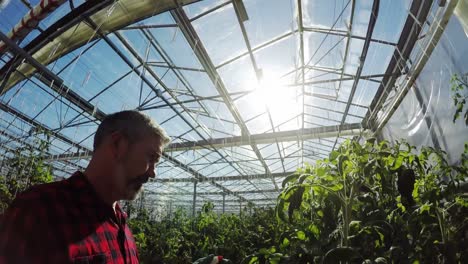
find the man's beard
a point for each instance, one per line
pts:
(129, 186)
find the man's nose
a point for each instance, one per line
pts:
(151, 172)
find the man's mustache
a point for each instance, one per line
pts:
(142, 179)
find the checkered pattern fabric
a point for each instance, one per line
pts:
(65, 222)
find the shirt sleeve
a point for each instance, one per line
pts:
(20, 232)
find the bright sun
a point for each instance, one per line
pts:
(284, 102)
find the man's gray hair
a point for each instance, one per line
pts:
(133, 124)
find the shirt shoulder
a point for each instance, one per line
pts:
(40, 194)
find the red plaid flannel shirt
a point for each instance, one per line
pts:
(65, 222)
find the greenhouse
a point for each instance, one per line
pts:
(297, 118)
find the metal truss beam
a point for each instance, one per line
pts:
(228, 178)
(266, 138)
(215, 193)
(190, 202)
(269, 138)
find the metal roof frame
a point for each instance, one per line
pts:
(166, 97)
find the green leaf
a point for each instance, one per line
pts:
(320, 171)
(341, 159)
(424, 208)
(333, 155)
(280, 210)
(397, 163)
(315, 230)
(285, 242)
(304, 177)
(461, 201)
(253, 260)
(337, 187)
(301, 235)
(290, 178)
(355, 225)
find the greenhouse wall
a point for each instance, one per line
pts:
(430, 123)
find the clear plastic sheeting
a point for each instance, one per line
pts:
(425, 116)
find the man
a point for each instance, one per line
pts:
(78, 220)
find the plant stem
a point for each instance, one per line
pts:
(347, 210)
(440, 219)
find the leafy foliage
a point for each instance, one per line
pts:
(374, 202)
(459, 88)
(24, 167)
(183, 239)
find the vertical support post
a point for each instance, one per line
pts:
(194, 197)
(224, 202)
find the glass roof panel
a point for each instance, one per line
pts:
(58, 13)
(323, 50)
(236, 75)
(390, 22)
(365, 92)
(378, 57)
(278, 58)
(326, 14)
(220, 44)
(267, 20)
(200, 7)
(259, 124)
(173, 43)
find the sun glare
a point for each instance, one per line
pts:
(284, 102)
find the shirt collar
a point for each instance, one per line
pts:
(87, 196)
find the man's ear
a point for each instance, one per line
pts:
(119, 144)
